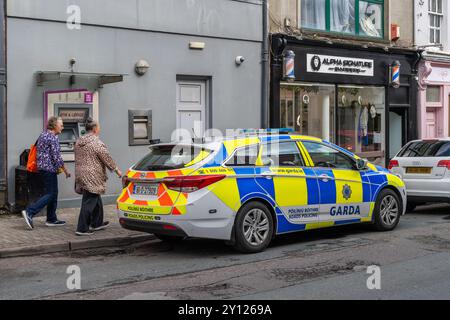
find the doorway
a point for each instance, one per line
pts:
(191, 105)
(397, 131)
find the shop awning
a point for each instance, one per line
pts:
(102, 78)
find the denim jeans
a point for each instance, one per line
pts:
(50, 199)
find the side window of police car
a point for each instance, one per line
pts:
(283, 154)
(327, 157)
(244, 157)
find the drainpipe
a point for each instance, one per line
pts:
(265, 66)
(3, 135)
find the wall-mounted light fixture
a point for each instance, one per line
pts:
(141, 67)
(196, 45)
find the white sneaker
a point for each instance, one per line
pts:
(28, 220)
(88, 233)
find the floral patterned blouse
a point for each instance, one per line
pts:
(49, 152)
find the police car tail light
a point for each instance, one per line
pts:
(191, 183)
(393, 164)
(444, 163)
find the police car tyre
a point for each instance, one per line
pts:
(167, 238)
(253, 228)
(388, 210)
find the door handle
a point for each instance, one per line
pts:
(267, 175)
(325, 177)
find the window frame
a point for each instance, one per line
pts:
(352, 158)
(435, 15)
(434, 104)
(225, 162)
(357, 28)
(295, 142)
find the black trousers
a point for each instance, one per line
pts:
(91, 213)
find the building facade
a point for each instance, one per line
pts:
(433, 37)
(3, 149)
(340, 73)
(142, 68)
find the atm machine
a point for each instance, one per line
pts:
(74, 107)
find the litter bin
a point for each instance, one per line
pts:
(29, 185)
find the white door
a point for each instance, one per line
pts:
(395, 134)
(191, 105)
(431, 124)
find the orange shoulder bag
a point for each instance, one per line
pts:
(32, 159)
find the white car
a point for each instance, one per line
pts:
(424, 166)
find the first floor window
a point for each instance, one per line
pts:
(435, 13)
(353, 17)
(370, 19)
(313, 14)
(342, 16)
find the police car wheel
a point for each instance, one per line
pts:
(167, 238)
(253, 228)
(388, 209)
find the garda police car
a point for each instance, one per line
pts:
(248, 189)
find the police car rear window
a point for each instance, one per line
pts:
(243, 157)
(431, 148)
(169, 157)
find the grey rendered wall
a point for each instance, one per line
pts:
(35, 45)
(3, 183)
(401, 12)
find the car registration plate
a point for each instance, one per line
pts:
(418, 170)
(145, 189)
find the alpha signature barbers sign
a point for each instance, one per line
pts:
(339, 65)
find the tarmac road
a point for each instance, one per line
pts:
(414, 263)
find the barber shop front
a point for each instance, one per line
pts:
(361, 99)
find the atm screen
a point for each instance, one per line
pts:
(76, 115)
(68, 135)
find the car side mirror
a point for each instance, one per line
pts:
(361, 164)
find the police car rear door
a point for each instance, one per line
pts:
(340, 184)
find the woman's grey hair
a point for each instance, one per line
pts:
(52, 121)
(90, 124)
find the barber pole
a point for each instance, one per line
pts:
(395, 74)
(289, 66)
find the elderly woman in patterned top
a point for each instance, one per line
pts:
(49, 162)
(91, 161)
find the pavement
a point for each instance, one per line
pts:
(17, 240)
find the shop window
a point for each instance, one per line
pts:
(308, 109)
(435, 14)
(139, 127)
(361, 121)
(433, 94)
(354, 17)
